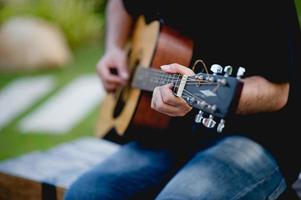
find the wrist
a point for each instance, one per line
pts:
(111, 46)
(115, 52)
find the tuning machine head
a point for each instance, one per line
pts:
(240, 72)
(228, 70)
(209, 122)
(220, 126)
(199, 117)
(216, 69)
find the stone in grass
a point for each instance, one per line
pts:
(28, 44)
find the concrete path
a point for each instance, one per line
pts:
(21, 94)
(64, 110)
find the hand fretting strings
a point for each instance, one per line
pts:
(154, 77)
(161, 78)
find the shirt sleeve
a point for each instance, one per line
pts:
(284, 51)
(273, 55)
(135, 8)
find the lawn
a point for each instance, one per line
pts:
(298, 4)
(13, 143)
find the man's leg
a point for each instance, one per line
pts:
(133, 170)
(235, 168)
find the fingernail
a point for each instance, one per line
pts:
(165, 67)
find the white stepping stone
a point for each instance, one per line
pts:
(62, 112)
(22, 94)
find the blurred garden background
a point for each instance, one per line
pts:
(79, 25)
(76, 30)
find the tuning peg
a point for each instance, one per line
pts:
(221, 126)
(222, 81)
(209, 122)
(228, 70)
(199, 77)
(216, 69)
(190, 100)
(241, 71)
(199, 117)
(213, 108)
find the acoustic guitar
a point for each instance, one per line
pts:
(151, 46)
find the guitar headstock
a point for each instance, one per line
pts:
(214, 95)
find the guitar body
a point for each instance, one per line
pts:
(151, 45)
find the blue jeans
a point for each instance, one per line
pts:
(234, 168)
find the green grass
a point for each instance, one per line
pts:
(298, 5)
(13, 143)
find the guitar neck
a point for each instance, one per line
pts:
(148, 78)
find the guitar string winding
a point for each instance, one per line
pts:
(203, 63)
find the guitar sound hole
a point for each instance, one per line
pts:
(119, 105)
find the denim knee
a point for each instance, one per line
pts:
(90, 187)
(235, 168)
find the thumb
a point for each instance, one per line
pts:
(177, 68)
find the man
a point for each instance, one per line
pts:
(249, 159)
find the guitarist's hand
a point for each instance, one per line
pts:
(164, 100)
(112, 69)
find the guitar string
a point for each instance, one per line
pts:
(176, 84)
(190, 94)
(164, 77)
(161, 79)
(164, 80)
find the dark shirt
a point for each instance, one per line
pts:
(263, 37)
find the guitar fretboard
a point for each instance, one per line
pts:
(147, 78)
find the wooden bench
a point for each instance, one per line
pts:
(46, 175)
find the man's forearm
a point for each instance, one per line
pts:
(260, 95)
(118, 25)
